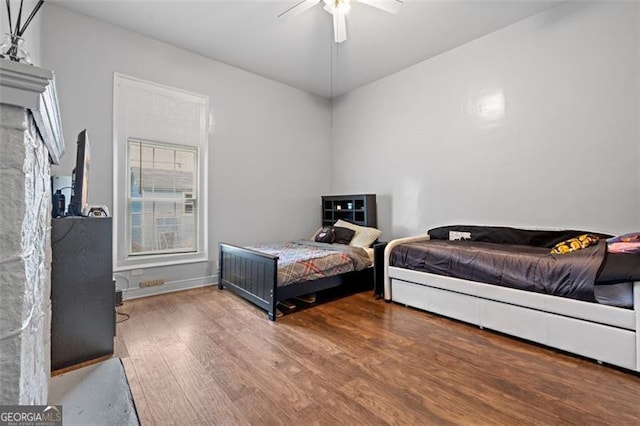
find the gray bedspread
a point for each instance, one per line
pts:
(523, 267)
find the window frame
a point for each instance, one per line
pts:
(127, 128)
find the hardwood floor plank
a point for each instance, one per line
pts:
(205, 356)
(218, 364)
(165, 398)
(265, 376)
(259, 409)
(390, 407)
(142, 407)
(210, 400)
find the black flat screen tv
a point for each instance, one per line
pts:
(79, 198)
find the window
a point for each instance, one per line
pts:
(160, 174)
(162, 204)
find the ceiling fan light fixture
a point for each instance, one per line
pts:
(333, 6)
(339, 10)
(339, 26)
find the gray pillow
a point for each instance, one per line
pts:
(326, 235)
(343, 235)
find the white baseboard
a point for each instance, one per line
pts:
(170, 287)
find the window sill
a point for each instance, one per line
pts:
(141, 262)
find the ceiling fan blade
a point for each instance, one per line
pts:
(298, 8)
(339, 26)
(391, 6)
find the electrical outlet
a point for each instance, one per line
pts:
(149, 283)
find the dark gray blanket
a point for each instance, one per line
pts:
(523, 267)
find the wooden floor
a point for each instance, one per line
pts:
(207, 357)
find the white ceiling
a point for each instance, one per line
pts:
(299, 51)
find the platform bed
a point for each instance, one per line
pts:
(253, 275)
(604, 333)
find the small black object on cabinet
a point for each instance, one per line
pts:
(359, 209)
(82, 290)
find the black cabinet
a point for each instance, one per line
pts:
(82, 290)
(359, 209)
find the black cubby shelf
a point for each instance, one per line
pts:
(359, 209)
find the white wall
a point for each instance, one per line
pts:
(432, 143)
(269, 149)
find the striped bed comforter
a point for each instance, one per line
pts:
(307, 260)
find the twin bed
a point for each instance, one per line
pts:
(271, 274)
(586, 302)
(339, 254)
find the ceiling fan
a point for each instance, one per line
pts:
(339, 9)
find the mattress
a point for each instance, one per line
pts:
(523, 267)
(620, 294)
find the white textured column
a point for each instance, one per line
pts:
(25, 260)
(30, 139)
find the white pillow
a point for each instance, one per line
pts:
(364, 235)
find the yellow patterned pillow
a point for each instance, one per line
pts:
(573, 244)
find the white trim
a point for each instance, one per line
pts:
(158, 85)
(34, 88)
(148, 263)
(170, 287)
(121, 261)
